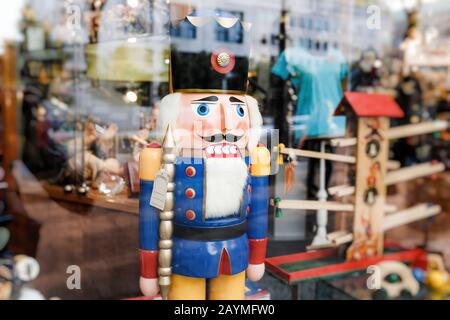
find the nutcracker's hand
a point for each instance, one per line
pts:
(149, 287)
(255, 271)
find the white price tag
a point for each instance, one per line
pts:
(158, 198)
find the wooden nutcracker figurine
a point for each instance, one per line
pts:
(212, 222)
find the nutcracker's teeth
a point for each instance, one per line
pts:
(210, 150)
(222, 151)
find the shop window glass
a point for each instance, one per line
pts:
(184, 30)
(233, 34)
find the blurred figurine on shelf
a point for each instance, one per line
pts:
(409, 97)
(93, 17)
(103, 140)
(91, 157)
(131, 168)
(207, 221)
(140, 142)
(366, 73)
(443, 103)
(433, 273)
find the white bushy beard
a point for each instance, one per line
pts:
(225, 182)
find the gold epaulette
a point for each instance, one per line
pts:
(260, 161)
(150, 162)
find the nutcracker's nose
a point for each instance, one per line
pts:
(226, 117)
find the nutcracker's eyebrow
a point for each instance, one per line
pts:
(208, 99)
(234, 99)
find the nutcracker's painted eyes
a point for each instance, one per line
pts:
(202, 109)
(240, 110)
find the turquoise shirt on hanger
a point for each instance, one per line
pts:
(318, 80)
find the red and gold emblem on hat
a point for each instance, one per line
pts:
(223, 60)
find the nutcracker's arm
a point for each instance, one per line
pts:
(259, 205)
(149, 165)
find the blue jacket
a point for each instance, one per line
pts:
(195, 257)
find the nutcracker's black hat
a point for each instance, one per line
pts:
(209, 51)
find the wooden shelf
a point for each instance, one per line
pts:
(29, 185)
(119, 202)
